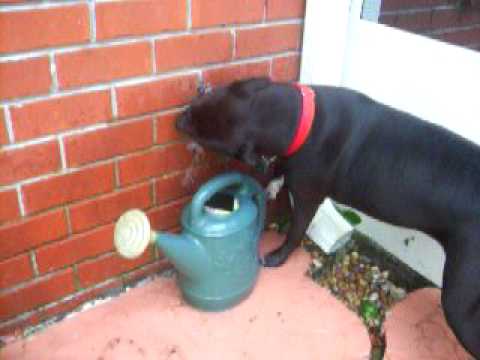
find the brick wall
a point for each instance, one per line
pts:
(439, 19)
(89, 92)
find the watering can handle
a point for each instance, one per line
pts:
(248, 186)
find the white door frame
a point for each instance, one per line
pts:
(428, 78)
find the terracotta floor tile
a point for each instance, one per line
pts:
(416, 329)
(286, 317)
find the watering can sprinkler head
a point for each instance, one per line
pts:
(133, 234)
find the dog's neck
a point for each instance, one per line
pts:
(278, 109)
(280, 112)
(304, 119)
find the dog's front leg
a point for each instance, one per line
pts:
(303, 209)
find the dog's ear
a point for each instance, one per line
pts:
(246, 88)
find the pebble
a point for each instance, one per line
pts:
(317, 263)
(356, 281)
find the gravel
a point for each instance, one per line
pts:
(355, 279)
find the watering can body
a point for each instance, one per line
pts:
(230, 243)
(216, 254)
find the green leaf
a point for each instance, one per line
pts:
(351, 216)
(369, 310)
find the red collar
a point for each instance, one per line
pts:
(307, 114)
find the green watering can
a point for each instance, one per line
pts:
(216, 254)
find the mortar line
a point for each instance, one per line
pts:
(9, 124)
(92, 21)
(113, 102)
(154, 193)
(454, 29)
(63, 157)
(68, 220)
(155, 128)
(153, 56)
(53, 73)
(189, 14)
(33, 262)
(21, 203)
(76, 279)
(38, 5)
(234, 43)
(265, 6)
(116, 173)
(417, 10)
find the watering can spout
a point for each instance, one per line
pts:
(186, 253)
(133, 234)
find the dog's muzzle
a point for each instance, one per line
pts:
(183, 121)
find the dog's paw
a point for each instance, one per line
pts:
(274, 187)
(275, 258)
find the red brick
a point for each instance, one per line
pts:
(103, 64)
(58, 114)
(72, 302)
(453, 18)
(30, 77)
(108, 142)
(166, 130)
(167, 216)
(387, 19)
(29, 161)
(265, 40)
(284, 9)
(22, 236)
(461, 37)
(108, 208)
(229, 73)
(149, 269)
(124, 18)
(3, 129)
(286, 68)
(390, 5)
(172, 188)
(38, 292)
(155, 95)
(175, 187)
(221, 12)
(415, 22)
(15, 270)
(65, 305)
(15, 327)
(9, 210)
(38, 28)
(66, 188)
(110, 265)
(154, 163)
(75, 249)
(193, 50)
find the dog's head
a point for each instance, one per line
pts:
(231, 120)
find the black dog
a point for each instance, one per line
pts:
(382, 161)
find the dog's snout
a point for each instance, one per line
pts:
(184, 119)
